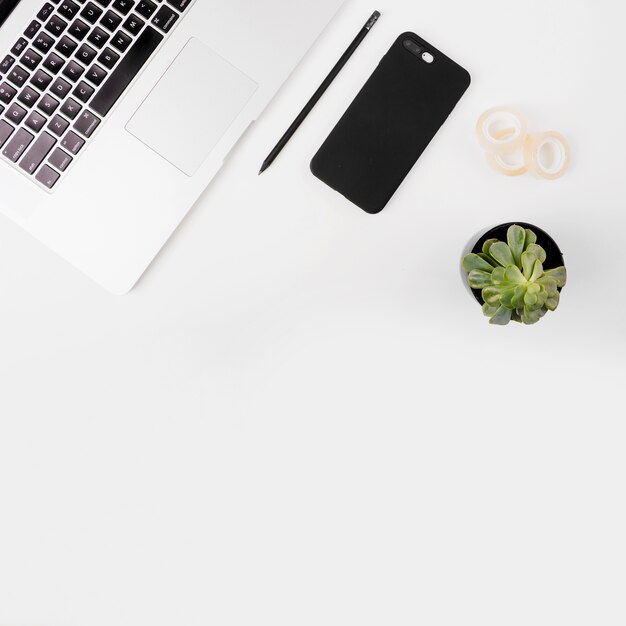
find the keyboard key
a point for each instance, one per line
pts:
(48, 104)
(78, 30)
(133, 24)
(91, 12)
(86, 54)
(69, 9)
(73, 70)
(6, 130)
(127, 69)
(46, 12)
(97, 37)
(15, 148)
(32, 29)
(6, 64)
(121, 41)
(31, 59)
(96, 75)
(28, 97)
(87, 123)
(123, 6)
(18, 76)
(83, 91)
(60, 88)
(66, 47)
(72, 142)
(146, 8)
(15, 113)
(108, 58)
(6, 93)
(41, 80)
(165, 19)
(181, 5)
(58, 125)
(60, 159)
(71, 108)
(19, 47)
(56, 25)
(37, 153)
(111, 20)
(104, 3)
(35, 121)
(54, 63)
(47, 176)
(43, 42)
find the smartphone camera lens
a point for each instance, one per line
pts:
(411, 46)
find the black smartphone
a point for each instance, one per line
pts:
(390, 122)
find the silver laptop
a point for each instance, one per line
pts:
(116, 114)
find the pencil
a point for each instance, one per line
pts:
(320, 92)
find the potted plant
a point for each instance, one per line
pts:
(516, 272)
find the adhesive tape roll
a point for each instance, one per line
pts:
(492, 122)
(539, 160)
(512, 164)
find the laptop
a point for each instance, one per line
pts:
(116, 114)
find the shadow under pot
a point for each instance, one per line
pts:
(552, 265)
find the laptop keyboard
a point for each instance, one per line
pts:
(63, 76)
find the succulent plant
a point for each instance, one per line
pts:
(512, 280)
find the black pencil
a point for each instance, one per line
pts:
(320, 92)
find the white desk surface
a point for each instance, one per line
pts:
(299, 416)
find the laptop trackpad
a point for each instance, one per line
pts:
(192, 106)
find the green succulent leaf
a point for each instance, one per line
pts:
(537, 271)
(488, 245)
(537, 251)
(474, 262)
(528, 262)
(502, 317)
(559, 274)
(478, 279)
(542, 297)
(516, 236)
(518, 298)
(530, 299)
(549, 284)
(506, 298)
(552, 303)
(530, 238)
(490, 310)
(514, 275)
(486, 257)
(497, 276)
(491, 295)
(530, 316)
(502, 254)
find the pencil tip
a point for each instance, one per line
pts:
(263, 168)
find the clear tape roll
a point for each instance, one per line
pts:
(491, 124)
(508, 166)
(536, 161)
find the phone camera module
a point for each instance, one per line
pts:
(411, 46)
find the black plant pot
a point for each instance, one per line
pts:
(554, 256)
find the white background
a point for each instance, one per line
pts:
(299, 416)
